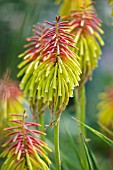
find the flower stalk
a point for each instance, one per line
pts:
(80, 105)
(83, 111)
(56, 143)
(41, 121)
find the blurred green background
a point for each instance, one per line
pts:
(16, 20)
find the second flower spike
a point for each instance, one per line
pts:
(24, 150)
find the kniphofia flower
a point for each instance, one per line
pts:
(69, 5)
(105, 108)
(111, 3)
(11, 99)
(25, 151)
(86, 26)
(31, 59)
(56, 71)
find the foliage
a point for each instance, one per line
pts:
(52, 42)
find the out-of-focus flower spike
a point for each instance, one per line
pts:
(105, 108)
(11, 100)
(57, 1)
(86, 27)
(69, 5)
(24, 150)
(110, 2)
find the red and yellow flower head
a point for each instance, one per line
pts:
(54, 73)
(69, 5)
(105, 108)
(11, 99)
(85, 25)
(24, 149)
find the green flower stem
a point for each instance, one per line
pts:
(56, 144)
(80, 104)
(41, 122)
(77, 104)
(83, 109)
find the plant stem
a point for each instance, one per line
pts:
(56, 144)
(82, 107)
(41, 121)
(80, 104)
(77, 104)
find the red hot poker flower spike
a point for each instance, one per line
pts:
(54, 79)
(105, 108)
(11, 99)
(24, 148)
(85, 25)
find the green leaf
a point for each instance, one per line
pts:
(75, 148)
(94, 161)
(100, 135)
(89, 161)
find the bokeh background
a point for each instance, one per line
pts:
(16, 20)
